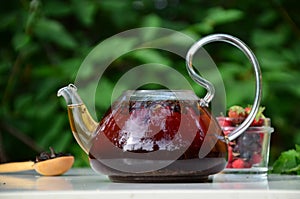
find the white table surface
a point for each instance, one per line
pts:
(85, 183)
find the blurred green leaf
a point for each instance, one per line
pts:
(204, 28)
(268, 17)
(151, 21)
(54, 31)
(103, 100)
(7, 20)
(120, 12)
(271, 60)
(263, 38)
(33, 15)
(151, 56)
(23, 103)
(288, 162)
(218, 15)
(48, 109)
(69, 67)
(282, 77)
(85, 11)
(62, 144)
(56, 8)
(20, 40)
(52, 132)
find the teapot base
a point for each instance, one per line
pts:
(160, 179)
(176, 173)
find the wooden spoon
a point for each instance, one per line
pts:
(50, 167)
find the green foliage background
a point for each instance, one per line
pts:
(44, 42)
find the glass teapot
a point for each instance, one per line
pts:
(158, 135)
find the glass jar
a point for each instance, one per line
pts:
(248, 153)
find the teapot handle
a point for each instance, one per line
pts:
(210, 88)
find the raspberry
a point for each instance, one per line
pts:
(227, 132)
(224, 121)
(247, 165)
(238, 163)
(256, 158)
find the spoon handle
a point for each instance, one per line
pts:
(16, 167)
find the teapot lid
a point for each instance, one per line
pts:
(161, 94)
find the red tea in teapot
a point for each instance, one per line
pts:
(154, 131)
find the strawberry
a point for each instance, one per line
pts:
(259, 118)
(237, 114)
(236, 111)
(259, 122)
(247, 110)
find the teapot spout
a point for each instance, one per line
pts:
(82, 124)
